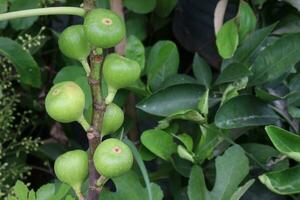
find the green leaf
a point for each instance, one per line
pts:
(243, 111)
(178, 79)
(159, 142)
(135, 50)
(141, 7)
(294, 3)
(187, 140)
(202, 71)
(283, 182)
(274, 60)
(247, 20)
(185, 154)
(233, 72)
(247, 50)
(84, 85)
(196, 187)
(172, 99)
(129, 188)
(203, 102)
(294, 111)
(21, 190)
(69, 73)
(190, 115)
(20, 24)
(242, 190)
(210, 138)
(69, 197)
(266, 96)
(24, 63)
(31, 195)
(162, 63)
(136, 25)
(231, 169)
(164, 7)
(46, 192)
(227, 39)
(285, 142)
(142, 167)
(61, 190)
(3, 9)
(233, 88)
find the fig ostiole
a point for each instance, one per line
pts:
(112, 120)
(119, 72)
(72, 169)
(73, 43)
(104, 28)
(113, 158)
(65, 103)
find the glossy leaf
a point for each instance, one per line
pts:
(129, 187)
(46, 192)
(24, 63)
(187, 140)
(231, 169)
(242, 190)
(23, 23)
(172, 99)
(233, 72)
(227, 39)
(196, 187)
(69, 73)
(178, 79)
(244, 111)
(202, 71)
(283, 182)
(274, 61)
(159, 142)
(164, 7)
(141, 7)
(247, 20)
(285, 142)
(135, 50)
(203, 102)
(162, 63)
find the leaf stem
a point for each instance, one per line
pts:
(43, 11)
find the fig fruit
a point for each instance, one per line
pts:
(112, 120)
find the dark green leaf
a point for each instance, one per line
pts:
(164, 7)
(20, 24)
(25, 64)
(233, 72)
(159, 142)
(136, 25)
(244, 111)
(247, 20)
(294, 3)
(283, 182)
(274, 61)
(135, 50)
(172, 99)
(129, 188)
(178, 79)
(242, 190)
(196, 187)
(285, 142)
(141, 7)
(3, 9)
(227, 39)
(69, 73)
(202, 71)
(231, 169)
(264, 95)
(162, 63)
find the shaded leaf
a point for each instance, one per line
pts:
(202, 71)
(172, 99)
(164, 7)
(196, 187)
(69, 73)
(159, 142)
(187, 140)
(141, 7)
(178, 79)
(242, 190)
(244, 111)
(136, 25)
(135, 50)
(24, 63)
(3, 9)
(233, 72)
(294, 3)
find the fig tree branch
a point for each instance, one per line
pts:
(43, 11)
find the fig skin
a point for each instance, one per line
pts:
(113, 158)
(104, 28)
(65, 102)
(112, 120)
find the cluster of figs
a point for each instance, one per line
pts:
(65, 101)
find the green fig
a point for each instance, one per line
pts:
(72, 168)
(112, 120)
(119, 72)
(65, 102)
(73, 43)
(104, 28)
(113, 158)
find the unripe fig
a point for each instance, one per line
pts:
(112, 120)
(73, 43)
(72, 168)
(65, 102)
(104, 28)
(119, 72)
(113, 158)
